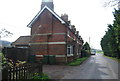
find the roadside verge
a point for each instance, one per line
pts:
(78, 61)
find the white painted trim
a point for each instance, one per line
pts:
(42, 34)
(70, 37)
(62, 21)
(69, 55)
(60, 55)
(56, 42)
(47, 43)
(51, 55)
(39, 55)
(22, 47)
(49, 34)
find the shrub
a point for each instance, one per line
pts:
(41, 77)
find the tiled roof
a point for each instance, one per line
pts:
(22, 40)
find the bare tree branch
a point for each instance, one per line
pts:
(5, 33)
(111, 3)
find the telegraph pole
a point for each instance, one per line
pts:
(119, 4)
(89, 44)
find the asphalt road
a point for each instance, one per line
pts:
(96, 67)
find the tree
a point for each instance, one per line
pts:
(4, 33)
(86, 46)
(110, 42)
(112, 3)
(86, 50)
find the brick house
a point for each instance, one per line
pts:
(54, 35)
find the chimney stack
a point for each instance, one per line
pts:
(48, 3)
(64, 17)
(77, 33)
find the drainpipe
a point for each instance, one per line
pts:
(48, 36)
(48, 47)
(66, 45)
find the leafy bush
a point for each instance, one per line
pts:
(8, 62)
(85, 53)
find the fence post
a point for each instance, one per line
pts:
(40, 69)
(16, 72)
(5, 73)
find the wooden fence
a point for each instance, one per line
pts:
(23, 72)
(16, 53)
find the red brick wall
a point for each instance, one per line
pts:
(50, 29)
(58, 27)
(57, 38)
(61, 60)
(48, 24)
(57, 49)
(45, 20)
(74, 40)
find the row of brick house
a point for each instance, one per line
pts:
(52, 35)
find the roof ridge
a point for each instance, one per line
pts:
(38, 14)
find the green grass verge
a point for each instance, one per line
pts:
(99, 52)
(77, 61)
(41, 77)
(113, 58)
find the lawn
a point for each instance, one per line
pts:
(100, 52)
(77, 61)
(113, 58)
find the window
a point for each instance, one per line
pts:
(77, 52)
(70, 49)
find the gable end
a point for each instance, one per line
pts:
(39, 13)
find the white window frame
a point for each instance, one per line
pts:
(70, 47)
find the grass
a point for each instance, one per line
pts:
(41, 77)
(113, 58)
(77, 61)
(99, 52)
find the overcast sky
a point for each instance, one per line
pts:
(89, 17)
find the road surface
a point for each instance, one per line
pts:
(96, 67)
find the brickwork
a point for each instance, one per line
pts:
(51, 37)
